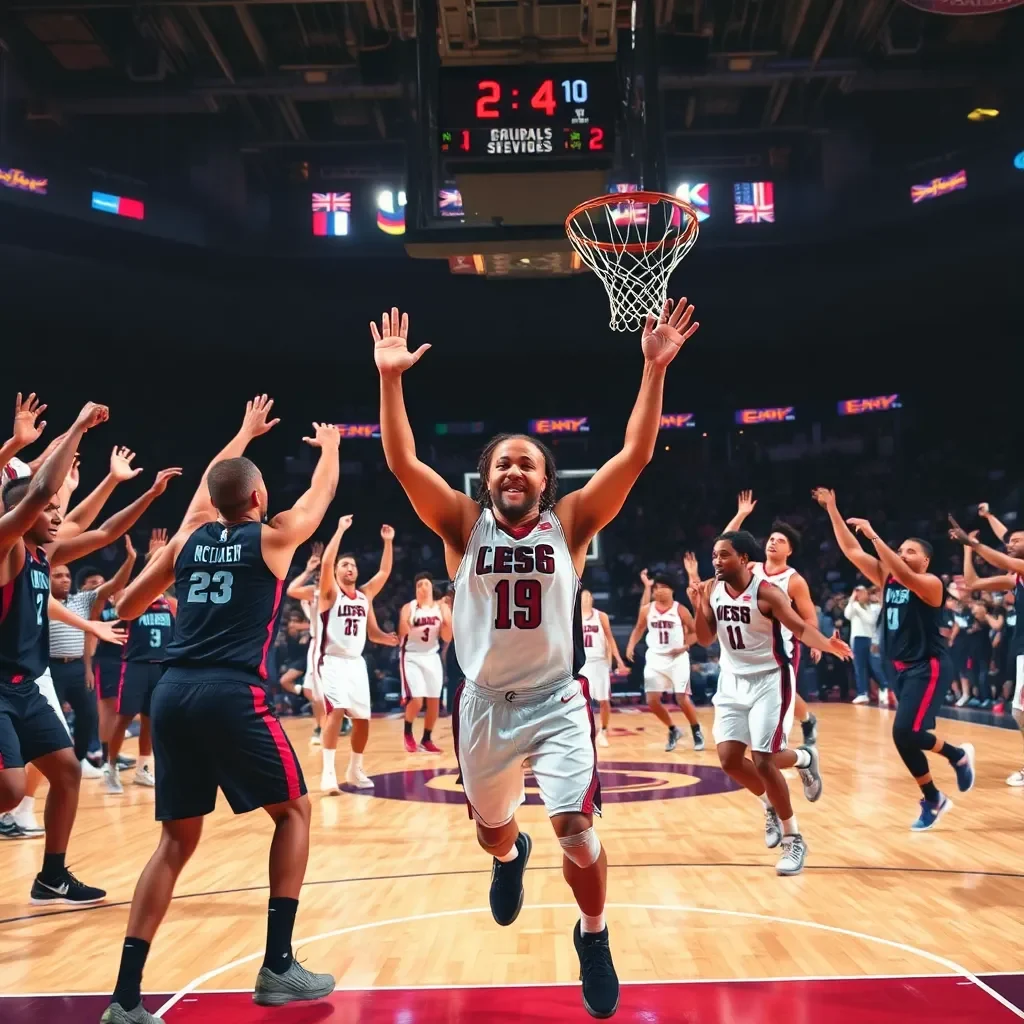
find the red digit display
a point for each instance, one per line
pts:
(487, 101)
(544, 98)
(596, 139)
(464, 145)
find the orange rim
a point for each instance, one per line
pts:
(617, 198)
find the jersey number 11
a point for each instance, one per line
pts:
(735, 638)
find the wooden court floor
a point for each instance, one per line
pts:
(396, 891)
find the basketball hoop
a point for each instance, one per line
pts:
(633, 241)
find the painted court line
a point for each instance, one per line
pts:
(951, 966)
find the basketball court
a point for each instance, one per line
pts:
(884, 925)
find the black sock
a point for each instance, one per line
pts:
(106, 753)
(695, 728)
(950, 753)
(929, 792)
(426, 735)
(128, 990)
(408, 728)
(53, 867)
(280, 921)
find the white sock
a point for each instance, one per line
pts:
(355, 762)
(328, 756)
(789, 827)
(27, 805)
(589, 925)
(507, 858)
(765, 802)
(803, 759)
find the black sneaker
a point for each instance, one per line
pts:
(810, 730)
(597, 972)
(68, 890)
(507, 893)
(10, 829)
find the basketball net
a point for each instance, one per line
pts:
(633, 242)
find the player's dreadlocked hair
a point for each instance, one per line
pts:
(483, 467)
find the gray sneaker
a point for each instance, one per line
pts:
(673, 739)
(115, 1013)
(772, 828)
(294, 986)
(811, 776)
(794, 853)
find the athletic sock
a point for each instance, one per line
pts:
(695, 728)
(280, 921)
(128, 989)
(408, 728)
(426, 735)
(53, 867)
(954, 755)
(591, 925)
(507, 858)
(28, 803)
(929, 791)
(803, 759)
(765, 802)
(789, 827)
(355, 762)
(328, 756)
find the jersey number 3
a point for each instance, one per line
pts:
(518, 605)
(735, 638)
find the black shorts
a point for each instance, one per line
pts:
(108, 677)
(29, 727)
(136, 683)
(209, 735)
(921, 687)
(974, 671)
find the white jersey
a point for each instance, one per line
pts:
(424, 629)
(751, 642)
(342, 632)
(595, 643)
(514, 615)
(664, 629)
(781, 580)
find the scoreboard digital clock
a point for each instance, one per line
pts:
(528, 112)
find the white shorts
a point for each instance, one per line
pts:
(307, 679)
(345, 683)
(1018, 690)
(599, 675)
(756, 710)
(422, 675)
(499, 733)
(662, 673)
(49, 691)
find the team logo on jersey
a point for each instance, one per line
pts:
(622, 782)
(223, 535)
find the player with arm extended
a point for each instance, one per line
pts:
(516, 555)
(305, 589)
(212, 725)
(912, 600)
(600, 648)
(745, 613)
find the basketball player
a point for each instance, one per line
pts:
(781, 546)
(305, 589)
(599, 647)
(1012, 564)
(746, 614)
(212, 726)
(347, 621)
(516, 556)
(422, 626)
(670, 632)
(912, 600)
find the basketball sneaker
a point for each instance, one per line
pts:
(115, 1013)
(144, 776)
(862, 698)
(602, 738)
(315, 739)
(25, 818)
(883, 698)
(10, 829)
(329, 782)
(698, 739)
(772, 828)
(794, 853)
(295, 985)
(89, 770)
(125, 762)
(112, 779)
(66, 889)
(810, 731)
(930, 813)
(1016, 779)
(507, 892)
(410, 742)
(597, 972)
(673, 739)
(965, 769)
(429, 747)
(358, 778)
(811, 776)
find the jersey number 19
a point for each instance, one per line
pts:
(518, 605)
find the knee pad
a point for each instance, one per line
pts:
(582, 849)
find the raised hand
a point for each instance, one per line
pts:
(121, 464)
(92, 415)
(745, 503)
(960, 535)
(824, 497)
(256, 420)
(163, 478)
(838, 648)
(71, 481)
(344, 523)
(391, 344)
(983, 510)
(665, 336)
(157, 540)
(129, 548)
(315, 555)
(691, 567)
(26, 413)
(862, 526)
(645, 579)
(325, 436)
(387, 533)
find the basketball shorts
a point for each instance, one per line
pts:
(422, 675)
(210, 735)
(755, 709)
(1018, 689)
(108, 677)
(345, 683)
(135, 687)
(29, 727)
(307, 679)
(662, 674)
(49, 691)
(499, 733)
(921, 687)
(598, 675)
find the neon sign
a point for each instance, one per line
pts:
(358, 429)
(16, 178)
(677, 421)
(880, 403)
(775, 414)
(567, 425)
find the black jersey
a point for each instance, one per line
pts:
(1011, 613)
(228, 605)
(25, 623)
(910, 626)
(106, 651)
(150, 634)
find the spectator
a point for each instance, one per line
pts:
(862, 615)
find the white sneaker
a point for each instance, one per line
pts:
(1016, 780)
(861, 698)
(112, 779)
(328, 782)
(89, 771)
(314, 739)
(794, 853)
(602, 739)
(358, 778)
(883, 698)
(26, 821)
(962, 702)
(144, 776)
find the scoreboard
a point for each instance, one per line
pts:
(528, 112)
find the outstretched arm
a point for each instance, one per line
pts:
(375, 634)
(446, 511)
(301, 588)
(597, 503)
(744, 506)
(780, 609)
(376, 582)
(927, 586)
(641, 618)
(84, 514)
(609, 638)
(998, 528)
(328, 581)
(26, 428)
(848, 544)
(993, 557)
(117, 582)
(972, 581)
(58, 612)
(155, 578)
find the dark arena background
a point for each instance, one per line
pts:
(202, 201)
